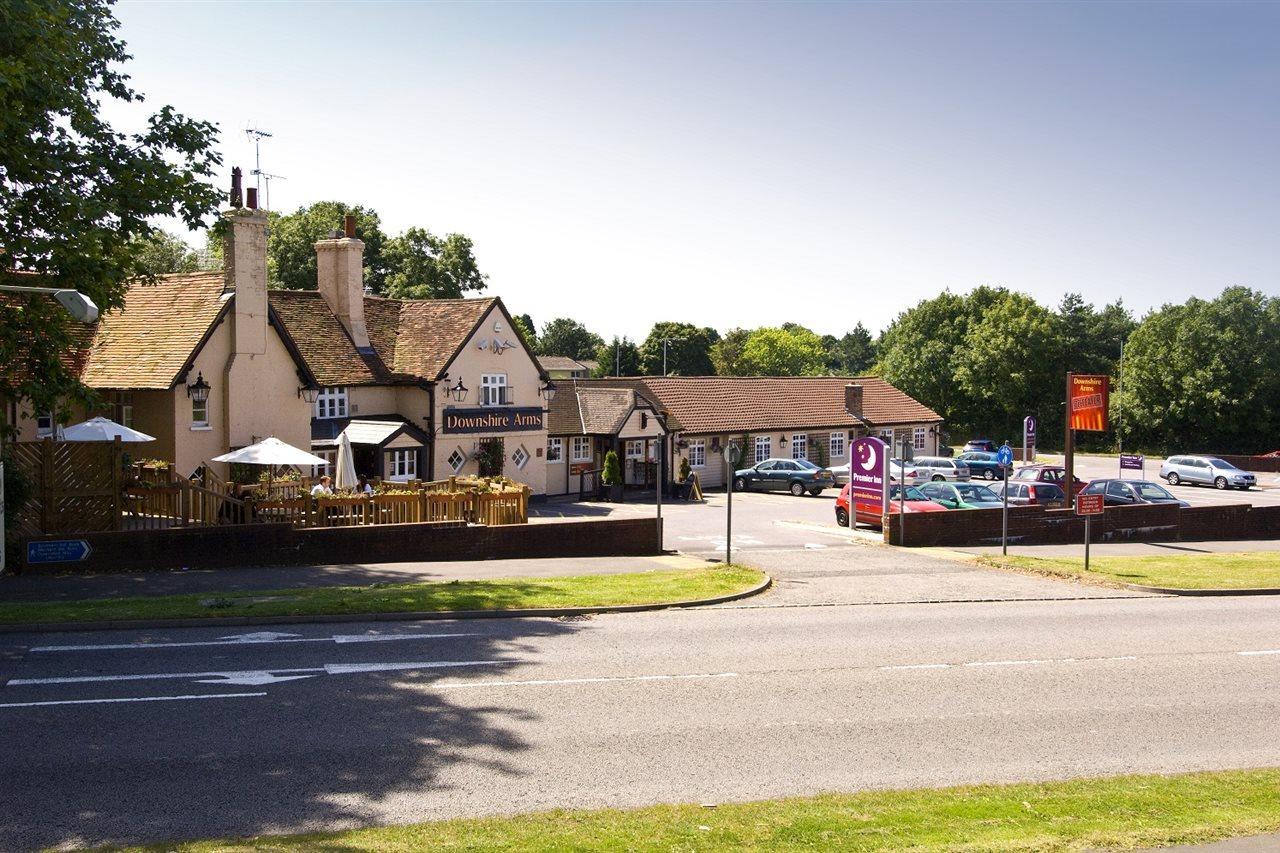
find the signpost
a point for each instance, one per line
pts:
(1004, 457)
(1088, 505)
(1028, 439)
(661, 442)
(868, 476)
(1133, 462)
(58, 551)
(1088, 396)
(732, 455)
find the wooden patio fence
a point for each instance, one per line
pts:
(75, 486)
(492, 508)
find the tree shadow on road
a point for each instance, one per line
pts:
(326, 752)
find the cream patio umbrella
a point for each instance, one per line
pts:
(344, 475)
(103, 429)
(271, 452)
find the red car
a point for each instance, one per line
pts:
(869, 513)
(1048, 474)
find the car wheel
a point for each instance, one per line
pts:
(1173, 478)
(842, 516)
(988, 474)
(937, 478)
(797, 489)
(1220, 483)
(739, 484)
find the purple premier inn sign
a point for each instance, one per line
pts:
(869, 472)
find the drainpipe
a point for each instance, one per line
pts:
(431, 431)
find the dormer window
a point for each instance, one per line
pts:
(331, 403)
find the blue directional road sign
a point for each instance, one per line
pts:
(58, 551)
(1004, 456)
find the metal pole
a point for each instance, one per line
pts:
(662, 442)
(664, 356)
(1004, 530)
(728, 519)
(902, 500)
(1069, 449)
(1086, 543)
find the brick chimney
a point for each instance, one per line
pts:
(245, 271)
(340, 277)
(853, 400)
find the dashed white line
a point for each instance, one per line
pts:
(602, 680)
(250, 640)
(1260, 652)
(132, 699)
(1025, 662)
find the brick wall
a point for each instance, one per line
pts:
(281, 544)
(1260, 464)
(1033, 525)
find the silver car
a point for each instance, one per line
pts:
(937, 468)
(1207, 471)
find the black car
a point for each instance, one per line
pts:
(1131, 492)
(784, 475)
(986, 445)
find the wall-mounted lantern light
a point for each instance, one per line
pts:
(458, 392)
(199, 390)
(548, 391)
(308, 393)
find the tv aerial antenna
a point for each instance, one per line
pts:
(257, 134)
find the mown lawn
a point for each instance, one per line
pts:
(1182, 571)
(653, 587)
(1112, 813)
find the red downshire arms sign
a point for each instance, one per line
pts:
(1087, 402)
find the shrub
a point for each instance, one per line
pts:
(612, 474)
(684, 469)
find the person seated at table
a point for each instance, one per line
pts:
(364, 487)
(322, 487)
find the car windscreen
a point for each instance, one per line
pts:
(1152, 492)
(971, 492)
(913, 493)
(807, 465)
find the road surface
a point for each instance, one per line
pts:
(144, 736)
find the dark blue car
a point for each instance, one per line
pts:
(982, 464)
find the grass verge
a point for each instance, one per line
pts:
(1111, 813)
(655, 587)
(1252, 570)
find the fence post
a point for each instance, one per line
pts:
(46, 486)
(117, 462)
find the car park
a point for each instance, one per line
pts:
(1131, 493)
(937, 468)
(1048, 474)
(840, 473)
(982, 463)
(961, 495)
(985, 445)
(784, 475)
(1048, 495)
(869, 513)
(1205, 471)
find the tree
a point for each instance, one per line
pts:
(75, 192)
(421, 265)
(570, 338)
(918, 348)
(291, 252)
(161, 252)
(783, 352)
(1205, 375)
(726, 353)
(525, 329)
(688, 352)
(853, 354)
(620, 357)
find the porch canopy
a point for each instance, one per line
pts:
(271, 451)
(103, 429)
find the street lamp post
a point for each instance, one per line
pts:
(666, 341)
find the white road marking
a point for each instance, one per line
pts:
(813, 546)
(602, 680)
(253, 676)
(1260, 652)
(262, 638)
(132, 699)
(1026, 662)
(918, 666)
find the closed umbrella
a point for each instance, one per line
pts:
(103, 429)
(345, 475)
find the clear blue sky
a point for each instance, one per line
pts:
(750, 164)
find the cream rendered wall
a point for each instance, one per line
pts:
(524, 380)
(366, 400)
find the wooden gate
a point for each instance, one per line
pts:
(74, 485)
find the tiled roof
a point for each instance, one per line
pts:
(561, 362)
(729, 404)
(322, 341)
(21, 368)
(418, 337)
(589, 411)
(148, 343)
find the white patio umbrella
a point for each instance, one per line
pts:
(103, 429)
(345, 475)
(271, 451)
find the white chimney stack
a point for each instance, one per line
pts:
(340, 278)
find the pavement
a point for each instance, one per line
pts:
(316, 727)
(1133, 549)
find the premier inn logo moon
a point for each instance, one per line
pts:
(525, 419)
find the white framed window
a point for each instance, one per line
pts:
(331, 403)
(555, 450)
(635, 449)
(44, 425)
(581, 448)
(402, 464)
(199, 414)
(764, 447)
(918, 438)
(697, 453)
(493, 390)
(457, 459)
(799, 446)
(330, 457)
(520, 457)
(886, 435)
(837, 445)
